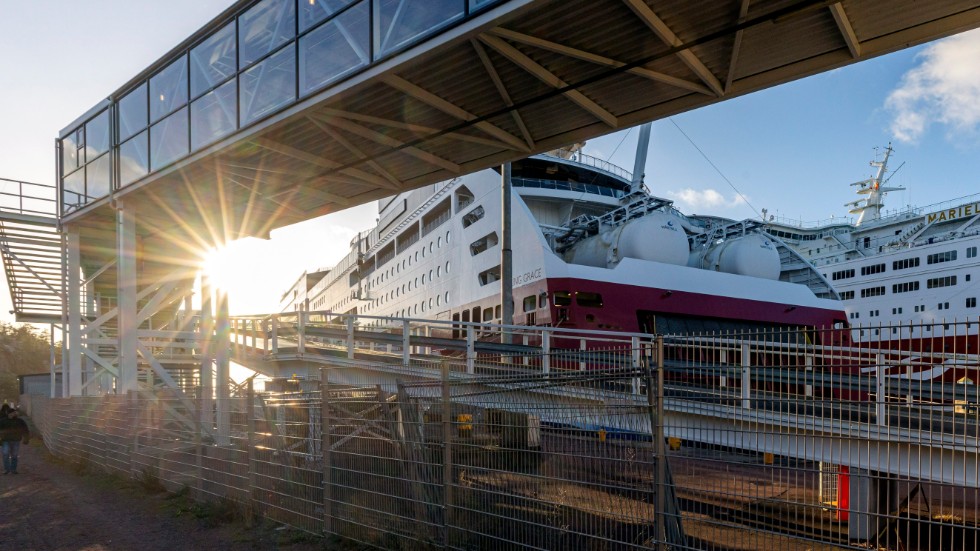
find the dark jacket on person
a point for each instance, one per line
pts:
(12, 430)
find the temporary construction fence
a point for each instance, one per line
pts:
(735, 441)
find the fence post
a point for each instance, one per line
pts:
(545, 351)
(655, 410)
(325, 426)
(275, 334)
(250, 456)
(406, 342)
(881, 410)
(350, 337)
(470, 352)
(301, 332)
(581, 347)
(198, 457)
(808, 388)
(746, 377)
(134, 413)
(635, 354)
(447, 456)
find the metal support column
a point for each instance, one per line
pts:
(222, 342)
(127, 307)
(506, 254)
(72, 380)
(207, 368)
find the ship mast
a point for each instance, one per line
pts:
(639, 164)
(870, 207)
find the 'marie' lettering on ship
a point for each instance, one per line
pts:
(951, 214)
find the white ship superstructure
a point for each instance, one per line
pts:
(903, 277)
(591, 250)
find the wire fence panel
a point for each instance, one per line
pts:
(776, 439)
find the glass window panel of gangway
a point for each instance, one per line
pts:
(213, 61)
(214, 115)
(335, 49)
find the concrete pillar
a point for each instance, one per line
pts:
(872, 499)
(72, 380)
(126, 289)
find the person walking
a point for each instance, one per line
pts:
(13, 430)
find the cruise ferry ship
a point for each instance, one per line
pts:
(592, 249)
(905, 278)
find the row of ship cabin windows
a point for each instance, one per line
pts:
(408, 287)
(903, 287)
(903, 264)
(971, 302)
(407, 261)
(911, 330)
(529, 304)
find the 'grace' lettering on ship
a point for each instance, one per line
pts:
(527, 277)
(951, 214)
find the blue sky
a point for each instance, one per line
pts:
(792, 150)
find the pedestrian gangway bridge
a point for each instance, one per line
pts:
(882, 416)
(776, 392)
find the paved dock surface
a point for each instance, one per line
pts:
(50, 506)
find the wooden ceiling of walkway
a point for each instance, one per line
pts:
(525, 77)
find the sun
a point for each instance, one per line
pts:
(219, 267)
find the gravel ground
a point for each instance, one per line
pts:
(52, 506)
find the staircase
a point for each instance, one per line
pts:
(32, 249)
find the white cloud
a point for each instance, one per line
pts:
(701, 201)
(942, 89)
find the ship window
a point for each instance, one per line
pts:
(971, 252)
(873, 269)
(905, 287)
(484, 243)
(472, 216)
(563, 298)
(463, 198)
(873, 291)
(843, 274)
(435, 218)
(497, 311)
(847, 295)
(971, 302)
(488, 276)
(591, 300)
(438, 271)
(905, 263)
(543, 300)
(447, 297)
(936, 258)
(947, 281)
(530, 303)
(488, 314)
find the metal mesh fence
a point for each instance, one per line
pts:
(781, 440)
